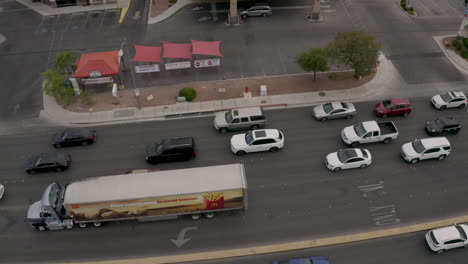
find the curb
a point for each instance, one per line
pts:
(320, 242)
(456, 60)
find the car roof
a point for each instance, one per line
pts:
(370, 125)
(449, 121)
(49, 156)
(339, 105)
(176, 142)
(266, 133)
(398, 101)
(457, 94)
(77, 131)
(248, 111)
(435, 142)
(447, 233)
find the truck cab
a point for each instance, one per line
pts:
(49, 213)
(369, 131)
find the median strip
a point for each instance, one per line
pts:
(230, 253)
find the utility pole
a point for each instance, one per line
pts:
(233, 14)
(314, 15)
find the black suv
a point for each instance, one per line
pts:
(48, 162)
(443, 124)
(73, 137)
(178, 149)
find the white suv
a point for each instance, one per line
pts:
(448, 237)
(426, 148)
(449, 100)
(257, 140)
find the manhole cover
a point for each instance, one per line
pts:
(322, 93)
(124, 112)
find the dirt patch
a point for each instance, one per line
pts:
(224, 89)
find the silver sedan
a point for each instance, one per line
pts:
(334, 110)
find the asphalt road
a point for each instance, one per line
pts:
(292, 196)
(410, 248)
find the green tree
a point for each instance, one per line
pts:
(314, 59)
(55, 86)
(357, 50)
(64, 62)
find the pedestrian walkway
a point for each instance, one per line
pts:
(385, 77)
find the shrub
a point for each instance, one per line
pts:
(454, 43)
(403, 2)
(458, 47)
(459, 37)
(188, 93)
(332, 76)
(172, 1)
(403, 5)
(411, 9)
(448, 45)
(464, 54)
(87, 98)
(465, 43)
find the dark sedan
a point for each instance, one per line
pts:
(442, 125)
(48, 162)
(74, 137)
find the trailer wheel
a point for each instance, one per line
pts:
(210, 215)
(196, 216)
(41, 228)
(82, 225)
(97, 224)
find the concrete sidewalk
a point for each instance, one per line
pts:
(385, 76)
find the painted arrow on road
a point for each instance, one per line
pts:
(181, 240)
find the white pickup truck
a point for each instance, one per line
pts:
(368, 132)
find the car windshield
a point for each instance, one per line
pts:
(346, 154)
(461, 231)
(159, 147)
(64, 134)
(249, 138)
(228, 116)
(327, 108)
(359, 129)
(433, 238)
(418, 146)
(446, 97)
(439, 123)
(388, 104)
(38, 161)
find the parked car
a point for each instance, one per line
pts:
(392, 107)
(348, 159)
(2, 191)
(240, 119)
(257, 140)
(73, 137)
(426, 148)
(48, 162)
(449, 100)
(169, 150)
(442, 125)
(334, 110)
(448, 237)
(308, 260)
(263, 11)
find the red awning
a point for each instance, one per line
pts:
(106, 63)
(205, 48)
(175, 50)
(145, 53)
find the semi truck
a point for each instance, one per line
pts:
(153, 195)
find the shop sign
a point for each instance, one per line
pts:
(177, 65)
(207, 63)
(147, 68)
(97, 80)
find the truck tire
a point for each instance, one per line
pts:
(196, 216)
(41, 228)
(210, 215)
(387, 140)
(97, 224)
(354, 144)
(223, 130)
(82, 225)
(254, 127)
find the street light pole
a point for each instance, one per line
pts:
(137, 90)
(314, 15)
